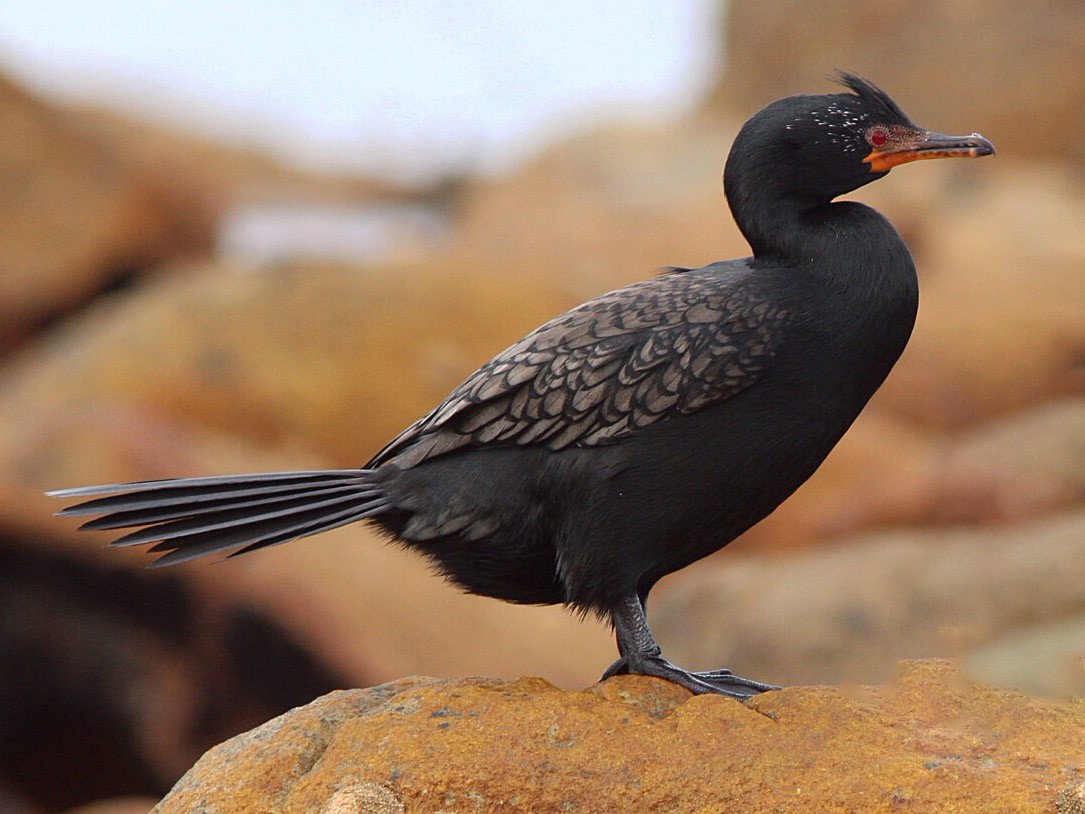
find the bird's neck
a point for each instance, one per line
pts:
(765, 209)
(793, 233)
(785, 226)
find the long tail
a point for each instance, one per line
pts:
(193, 517)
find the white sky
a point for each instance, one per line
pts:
(450, 79)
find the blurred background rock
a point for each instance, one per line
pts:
(173, 304)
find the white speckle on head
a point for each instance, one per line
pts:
(839, 124)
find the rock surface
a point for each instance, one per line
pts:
(928, 742)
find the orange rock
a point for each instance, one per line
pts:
(929, 742)
(1016, 468)
(76, 216)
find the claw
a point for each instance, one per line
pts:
(718, 682)
(730, 678)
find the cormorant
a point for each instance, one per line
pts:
(640, 431)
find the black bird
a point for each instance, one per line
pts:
(640, 431)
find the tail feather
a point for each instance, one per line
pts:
(250, 538)
(183, 491)
(193, 517)
(246, 516)
(325, 523)
(163, 512)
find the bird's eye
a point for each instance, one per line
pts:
(877, 136)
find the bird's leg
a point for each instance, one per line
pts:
(641, 655)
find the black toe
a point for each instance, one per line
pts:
(718, 682)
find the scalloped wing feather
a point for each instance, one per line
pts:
(601, 372)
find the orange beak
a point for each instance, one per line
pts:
(927, 145)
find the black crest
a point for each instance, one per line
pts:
(872, 95)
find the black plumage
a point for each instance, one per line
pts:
(640, 431)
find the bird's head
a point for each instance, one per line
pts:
(810, 149)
